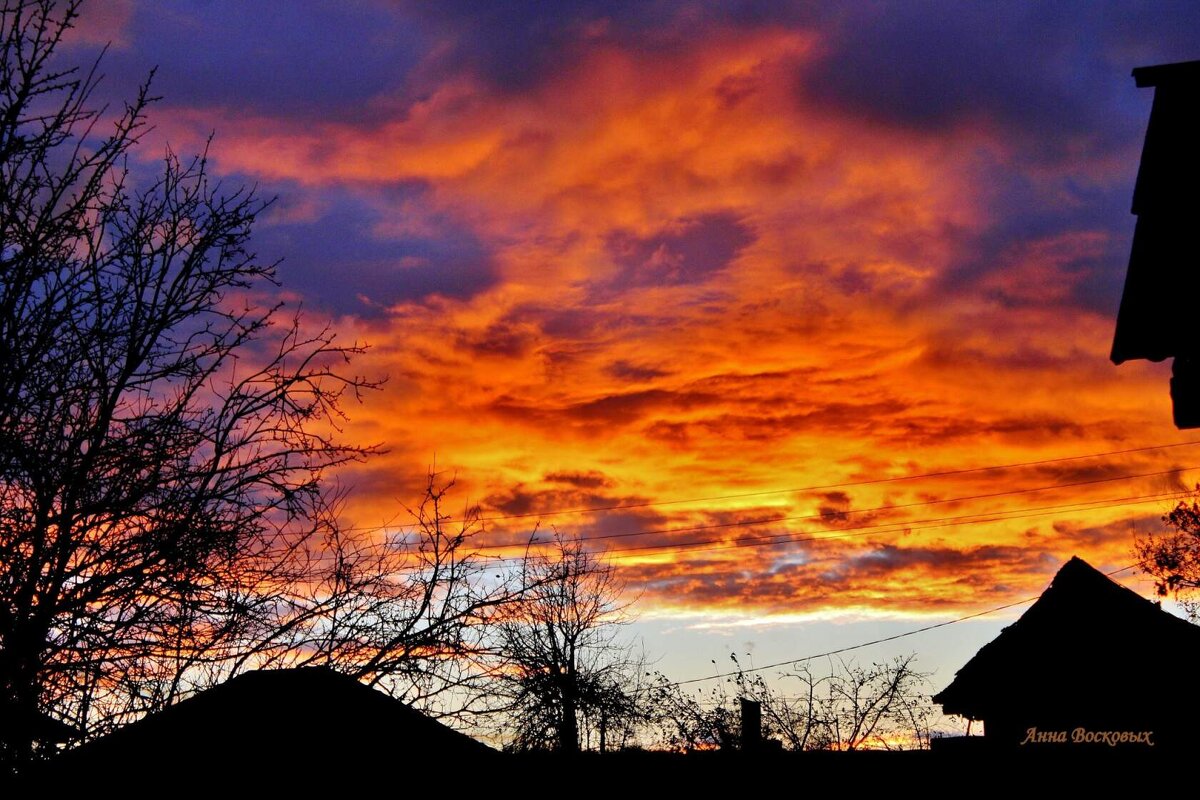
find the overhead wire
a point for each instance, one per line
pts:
(775, 539)
(842, 485)
(790, 537)
(865, 482)
(882, 640)
(890, 508)
(877, 530)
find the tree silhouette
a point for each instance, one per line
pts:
(163, 436)
(415, 612)
(851, 707)
(566, 668)
(1173, 558)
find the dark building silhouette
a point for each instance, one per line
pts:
(45, 731)
(292, 727)
(1158, 314)
(1090, 665)
(751, 733)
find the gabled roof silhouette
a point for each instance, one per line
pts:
(1087, 643)
(291, 719)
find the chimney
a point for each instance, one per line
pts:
(751, 725)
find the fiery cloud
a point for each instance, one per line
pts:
(725, 276)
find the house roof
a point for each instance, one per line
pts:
(301, 720)
(1154, 320)
(1160, 74)
(43, 727)
(1086, 642)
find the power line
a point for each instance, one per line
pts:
(843, 533)
(874, 530)
(901, 506)
(776, 539)
(847, 484)
(861, 645)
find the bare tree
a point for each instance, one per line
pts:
(163, 436)
(167, 518)
(878, 707)
(567, 672)
(692, 720)
(801, 721)
(853, 707)
(415, 612)
(1172, 557)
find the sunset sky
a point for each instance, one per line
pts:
(741, 275)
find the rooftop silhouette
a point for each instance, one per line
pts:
(310, 719)
(1088, 654)
(1156, 319)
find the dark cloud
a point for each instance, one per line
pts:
(932, 429)
(362, 60)
(514, 46)
(1088, 471)
(1052, 71)
(1053, 80)
(603, 413)
(630, 529)
(584, 480)
(686, 252)
(1045, 68)
(627, 371)
(632, 406)
(673, 434)
(533, 500)
(610, 527)
(1025, 216)
(339, 262)
(866, 419)
(977, 566)
(945, 353)
(586, 322)
(834, 508)
(1093, 537)
(501, 339)
(273, 57)
(756, 383)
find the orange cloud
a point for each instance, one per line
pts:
(712, 287)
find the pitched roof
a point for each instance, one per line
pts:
(1086, 641)
(293, 719)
